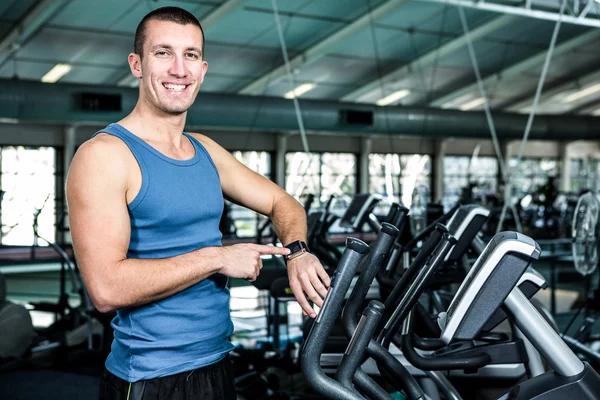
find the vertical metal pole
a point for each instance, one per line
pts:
(290, 76)
(365, 149)
(490, 121)
(280, 159)
(438, 171)
(68, 153)
(565, 171)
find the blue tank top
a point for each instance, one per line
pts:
(177, 210)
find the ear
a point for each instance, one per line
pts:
(135, 65)
(204, 69)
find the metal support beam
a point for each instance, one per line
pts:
(529, 64)
(366, 144)
(219, 13)
(125, 79)
(586, 9)
(430, 57)
(323, 47)
(438, 169)
(68, 153)
(282, 141)
(565, 170)
(29, 25)
(522, 11)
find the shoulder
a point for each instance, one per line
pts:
(205, 141)
(104, 145)
(216, 151)
(103, 155)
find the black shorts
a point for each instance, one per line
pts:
(214, 382)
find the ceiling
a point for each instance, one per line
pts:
(351, 50)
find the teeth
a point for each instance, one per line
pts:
(175, 87)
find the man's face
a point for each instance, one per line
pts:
(172, 66)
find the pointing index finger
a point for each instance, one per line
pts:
(265, 250)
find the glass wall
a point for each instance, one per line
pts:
(323, 175)
(532, 174)
(584, 175)
(396, 177)
(28, 187)
(479, 174)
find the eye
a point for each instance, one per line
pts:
(193, 55)
(162, 53)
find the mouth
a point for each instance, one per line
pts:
(175, 88)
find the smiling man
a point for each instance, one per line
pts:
(145, 200)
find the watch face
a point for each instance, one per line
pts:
(296, 247)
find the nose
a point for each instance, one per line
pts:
(178, 67)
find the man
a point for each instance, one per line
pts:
(145, 200)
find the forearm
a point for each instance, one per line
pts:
(134, 282)
(289, 220)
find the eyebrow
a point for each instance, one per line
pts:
(166, 46)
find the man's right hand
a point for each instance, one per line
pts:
(243, 260)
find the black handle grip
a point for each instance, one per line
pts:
(416, 288)
(353, 356)
(385, 239)
(315, 342)
(404, 283)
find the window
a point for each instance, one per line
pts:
(28, 184)
(531, 174)
(584, 175)
(323, 175)
(245, 220)
(396, 177)
(462, 171)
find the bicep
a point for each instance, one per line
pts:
(98, 215)
(248, 188)
(242, 185)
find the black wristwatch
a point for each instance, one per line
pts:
(297, 248)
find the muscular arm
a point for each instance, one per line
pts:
(247, 188)
(97, 186)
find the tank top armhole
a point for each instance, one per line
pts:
(200, 146)
(143, 170)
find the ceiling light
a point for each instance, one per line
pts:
(459, 100)
(582, 93)
(57, 72)
(393, 97)
(472, 104)
(299, 91)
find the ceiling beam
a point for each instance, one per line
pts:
(571, 85)
(523, 11)
(526, 65)
(27, 27)
(323, 47)
(586, 9)
(430, 57)
(123, 76)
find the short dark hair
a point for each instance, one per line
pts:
(169, 13)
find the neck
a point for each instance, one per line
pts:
(152, 124)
